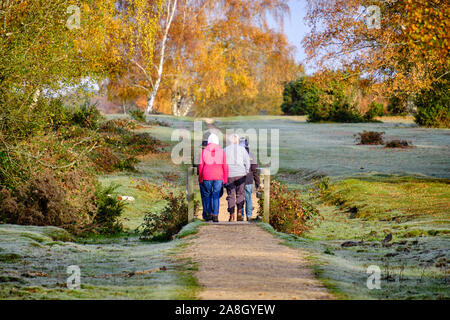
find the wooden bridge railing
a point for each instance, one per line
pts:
(191, 181)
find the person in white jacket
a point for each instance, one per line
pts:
(238, 167)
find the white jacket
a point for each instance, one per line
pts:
(238, 160)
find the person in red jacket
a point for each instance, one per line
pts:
(213, 173)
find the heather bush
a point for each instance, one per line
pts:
(118, 125)
(288, 212)
(159, 123)
(138, 115)
(162, 225)
(397, 144)
(44, 201)
(370, 137)
(87, 115)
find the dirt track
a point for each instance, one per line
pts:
(245, 262)
(242, 261)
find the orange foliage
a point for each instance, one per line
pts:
(407, 53)
(222, 55)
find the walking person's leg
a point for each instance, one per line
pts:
(202, 195)
(217, 187)
(231, 197)
(248, 201)
(208, 186)
(240, 197)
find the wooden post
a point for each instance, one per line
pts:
(190, 192)
(265, 176)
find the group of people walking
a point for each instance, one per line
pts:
(233, 168)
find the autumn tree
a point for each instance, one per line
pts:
(47, 47)
(401, 45)
(218, 57)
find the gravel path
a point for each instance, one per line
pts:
(242, 261)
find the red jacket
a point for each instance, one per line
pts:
(213, 164)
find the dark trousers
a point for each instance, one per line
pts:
(235, 192)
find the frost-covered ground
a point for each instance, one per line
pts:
(331, 148)
(34, 262)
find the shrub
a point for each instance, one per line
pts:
(288, 212)
(139, 143)
(109, 210)
(118, 125)
(107, 161)
(138, 115)
(433, 106)
(40, 201)
(396, 106)
(335, 105)
(299, 97)
(130, 143)
(397, 144)
(161, 226)
(158, 123)
(370, 137)
(17, 123)
(128, 164)
(375, 110)
(338, 111)
(87, 115)
(320, 186)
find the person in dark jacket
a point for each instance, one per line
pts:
(252, 176)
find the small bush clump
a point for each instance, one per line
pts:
(42, 201)
(370, 137)
(375, 110)
(109, 210)
(397, 144)
(118, 125)
(158, 123)
(161, 226)
(138, 115)
(338, 111)
(288, 212)
(87, 115)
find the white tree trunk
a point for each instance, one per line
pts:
(187, 109)
(171, 7)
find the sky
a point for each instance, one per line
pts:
(295, 29)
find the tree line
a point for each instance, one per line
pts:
(373, 52)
